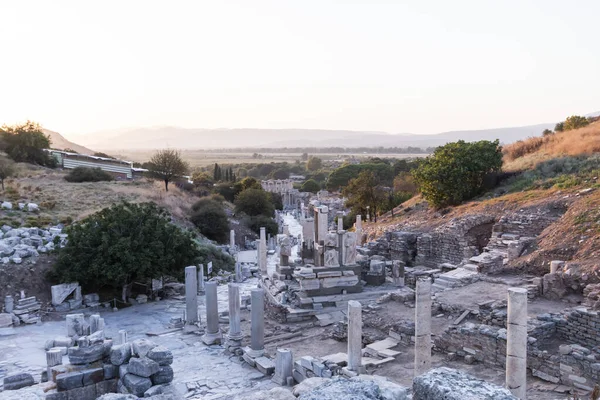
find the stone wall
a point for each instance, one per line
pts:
(581, 326)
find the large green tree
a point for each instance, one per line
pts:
(254, 202)
(310, 186)
(209, 217)
(314, 164)
(124, 243)
(167, 165)
(456, 171)
(365, 191)
(341, 176)
(26, 143)
(575, 122)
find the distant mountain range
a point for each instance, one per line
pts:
(58, 141)
(189, 139)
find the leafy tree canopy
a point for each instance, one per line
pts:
(310, 186)
(26, 143)
(124, 243)
(341, 176)
(209, 217)
(314, 164)
(456, 171)
(575, 122)
(167, 165)
(254, 202)
(365, 191)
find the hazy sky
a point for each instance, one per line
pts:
(396, 66)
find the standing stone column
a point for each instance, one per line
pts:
(234, 337)
(354, 336)
(213, 333)
(340, 221)
(257, 329)
(262, 256)
(516, 342)
(398, 273)
(359, 229)
(122, 336)
(238, 272)
(201, 278)
(94, 323)
(53, 358)
(9, 304)
(284, 365)
(232, 238)
(191, 295)
(423, 326)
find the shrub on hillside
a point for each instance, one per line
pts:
(209, 217)
(122, 244)
(254, 202)
(86, 174)
(255, 223)
(26, 143)
(456, 171)
(310, 186)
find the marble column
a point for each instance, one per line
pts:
(232, 238)
(213, 333)
(238, 272)
(257, 329)
(354, 336)
(234, 337)
(201, 278)
(423, 326)
(9, 304)
(191, 295)
(516, 342)
(340, 221)
(398, 273)
(284, 365)
(359, 230)
(263, 252)
(53, 358)
(122, 336)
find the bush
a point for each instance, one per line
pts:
(122, 244)
(26, 143)
(210, 218)
(86, 174)
(456, 171)
(220, 259)
(255, 223)
(310, 186)
(254, 202)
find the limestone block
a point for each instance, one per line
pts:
(339, 281)
(142, 367)
(75, 324)
(107, 386)
(141, 347)
(161, 355)
(388, 390)
(331, 258)
(310, 284)
(86, 355)
(120, 354)
(123, 370)
(70, 380)
(5, 320)
(16, 382)
(93, 376)
(137, 385)
(110, 371)
(61, 292)
(331, 240)
(164, 375)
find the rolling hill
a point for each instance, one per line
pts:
(58, 141)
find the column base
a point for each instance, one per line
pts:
(253, 353)
(212, 338)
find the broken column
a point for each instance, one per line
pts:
(284, 365)
(516, 342)
(359, 229)
(354, 336)
(257, 330)
(213, 333)
(423, 326)
(122, 336)
(398, 273)
(232, 238)
(234, 338)
(262, 254)
(340, 221)
(191, 295)
(53, 358)
(238, 272)
(201, 278)
(96, 323)
(9, 304)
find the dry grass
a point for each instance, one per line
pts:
(529, 152)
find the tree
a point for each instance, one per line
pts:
(314, 164)
(209, 217)
(365, 191)
(202, 179)
(304, 157)
(456, 171)
(341, 176)
(253, 202)
(575, 122)
(7, 169)
(280, 174)
(547, 132)
(166, 165)
(310, 186)
(122, 244)
(26, 143)
(261, 221)
(559, 127)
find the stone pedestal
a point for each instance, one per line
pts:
(354, 336)
(257, 330)
(284, 366)
(234, 337)
(423, 326)
(53, 358)
(191, 295)
(516, 342)
(340, 221)
(201, 278)
(213, 333)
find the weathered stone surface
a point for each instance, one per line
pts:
(340, 388)
(450, 384)
(107, 386)
(120, 354)
(118, 396)
(161, 355)
(137, 385)
(86, 355)
(388, 390)
(307, 385)
(68, 381)
(15, 382)
(141, 347)
(82, 393)
(143, 367)
(164, 375)
(111, 371)
(93, 376)
(273, 394)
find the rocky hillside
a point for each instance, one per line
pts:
(59, 142)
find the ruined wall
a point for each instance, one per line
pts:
(581, 326)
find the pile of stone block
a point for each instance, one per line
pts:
(17, 244)
(326, 367)
(320, 281)
(26, 311)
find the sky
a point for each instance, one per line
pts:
(80, 67)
